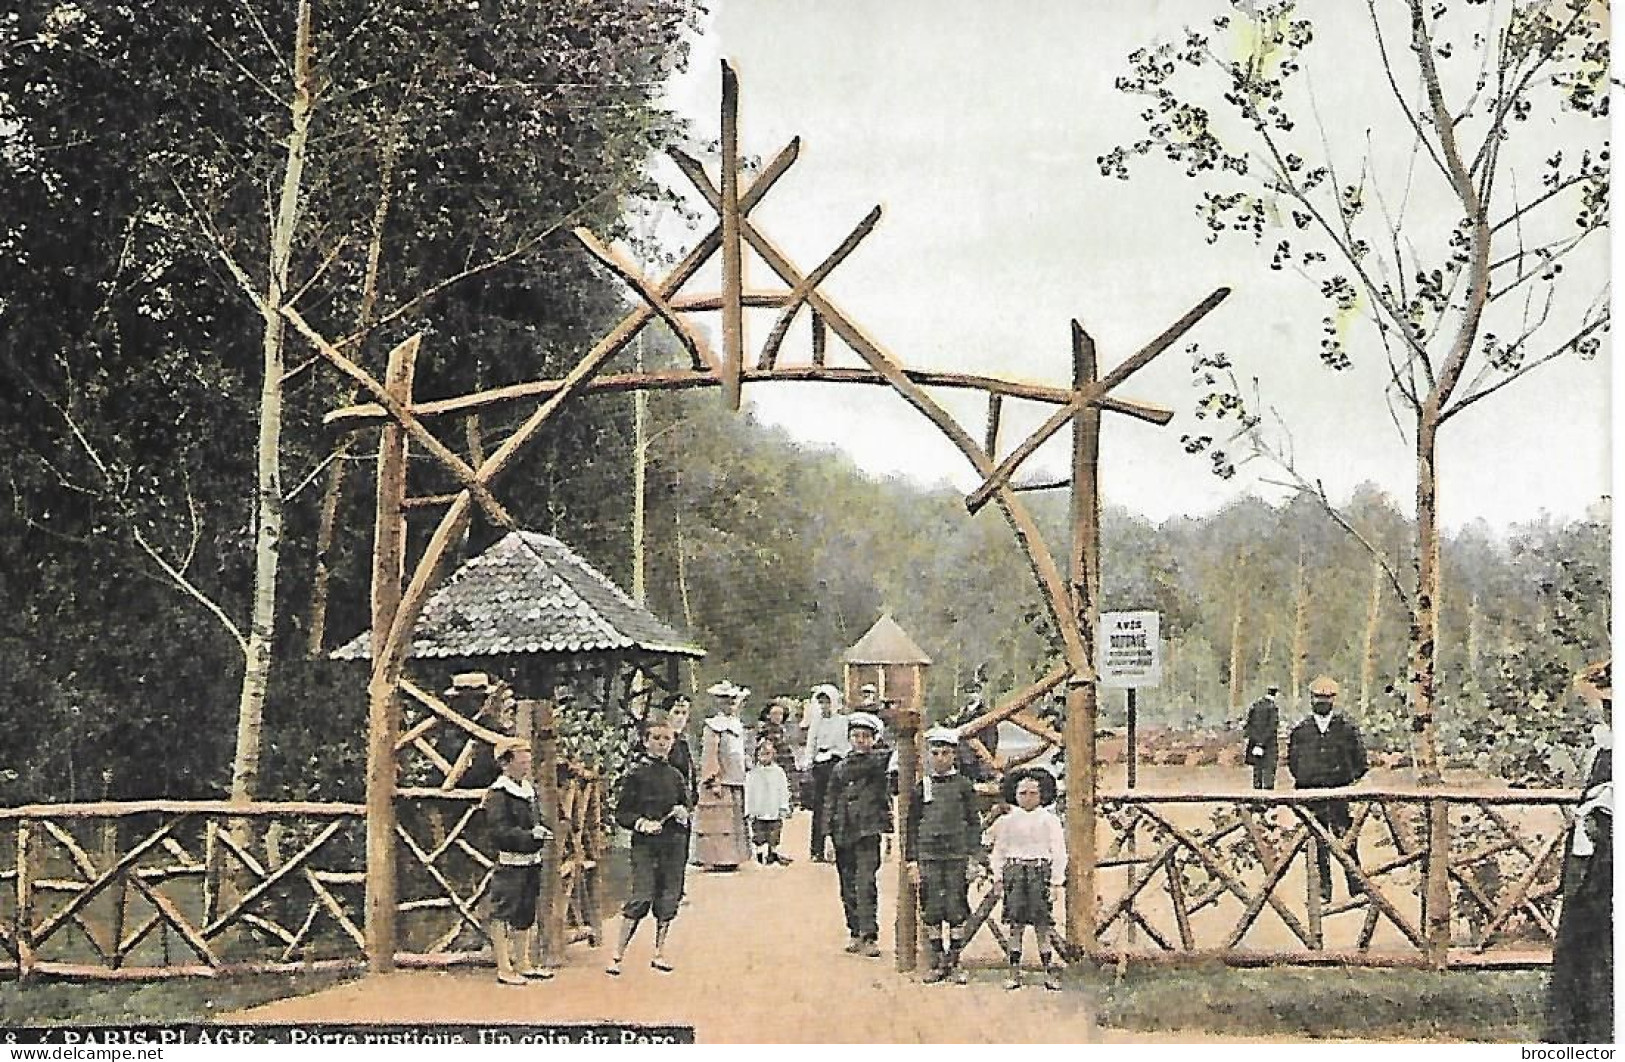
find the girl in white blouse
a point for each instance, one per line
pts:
(1029, 862)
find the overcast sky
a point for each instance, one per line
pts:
(976, 127)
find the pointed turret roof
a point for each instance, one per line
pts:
(886, 643)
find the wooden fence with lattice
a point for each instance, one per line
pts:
(1234, 876)
(150, 889)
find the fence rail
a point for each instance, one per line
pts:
(167, 888)
(1272, 878)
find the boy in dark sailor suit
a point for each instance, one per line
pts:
(857, 808)
(517, 830)
(655, 804)
(946, 835)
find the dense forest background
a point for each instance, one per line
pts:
(130, 399)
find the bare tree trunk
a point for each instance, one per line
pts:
(1237, 608)
(268, 490)
(1300, 631)
(1424, 635)
(1472, 639)
(1368, 657)
(326, 529)
(688, 609)
(640, 456)
(333, 493)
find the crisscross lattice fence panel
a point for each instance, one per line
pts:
(150, 889)
(1234, 876)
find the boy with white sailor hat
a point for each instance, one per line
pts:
(946, 835)
(858, 811)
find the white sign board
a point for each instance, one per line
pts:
(1130, 649)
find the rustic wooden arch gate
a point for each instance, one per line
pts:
(1072, 599)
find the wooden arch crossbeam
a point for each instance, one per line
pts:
(1071, 603)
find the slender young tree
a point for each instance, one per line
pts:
(1438, 241)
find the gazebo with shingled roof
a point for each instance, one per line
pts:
(531, 612)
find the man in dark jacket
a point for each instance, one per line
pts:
(1325, 751)
(945, 834)
(858, 811)
(1580, 991)
(1263, 739)
(517, 831)
(655, 804)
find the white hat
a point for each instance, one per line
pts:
(723, 688)
(864, 721)
(868, 687)
(942, 735)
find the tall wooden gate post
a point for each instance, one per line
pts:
(1082, 696)
(908, 900)
(1436, 901)
(544, 765)
(383, 694)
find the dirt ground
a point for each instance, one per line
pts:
(759, 960)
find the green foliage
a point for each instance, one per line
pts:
(458, 134)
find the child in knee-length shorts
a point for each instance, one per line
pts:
(946, 836)
(519, 834)
(655, 804)
(1029, 863)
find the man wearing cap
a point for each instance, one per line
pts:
(858, 810)
(945, 834)
(826, 746)
(1325, 751)
(1263, 738)
(517, 830)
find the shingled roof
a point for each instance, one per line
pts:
(530, 593)
(886, 643)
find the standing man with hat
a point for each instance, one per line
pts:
(827, 746)
(945, 834)
(858, 810)
(1262, 736)
(1325, 751)
(517, 830)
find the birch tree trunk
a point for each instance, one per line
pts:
(1472, 639)
(1368, 656)
(245, 767)
(1424, 635)
(1300, 631)
(688, 609)
(1238, 606)
(337, 474)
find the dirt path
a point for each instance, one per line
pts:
(759, 959)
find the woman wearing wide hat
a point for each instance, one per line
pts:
(721, 842)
